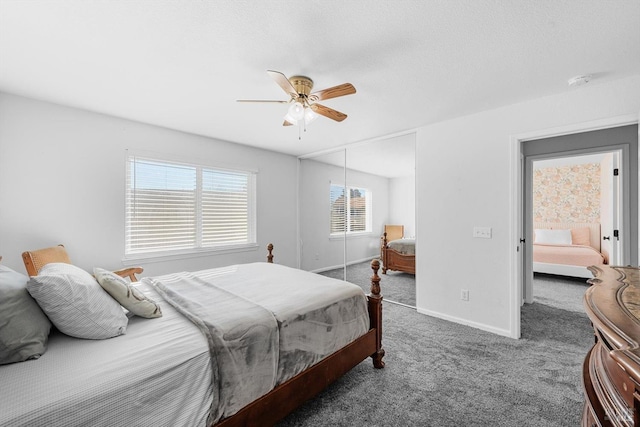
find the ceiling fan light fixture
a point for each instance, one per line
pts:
(302, 103)
(309, 115)
(289, 118)
(296, 111)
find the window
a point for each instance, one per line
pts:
(179, 207)
(350, 209)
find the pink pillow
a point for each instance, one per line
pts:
(581, 236)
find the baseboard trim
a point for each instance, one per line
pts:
(334, 267)
(481, 326)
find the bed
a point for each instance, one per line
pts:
(192, 365)
(397, 252)
(567, 249)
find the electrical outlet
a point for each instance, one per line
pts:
(317, 256)
(482, 232)
(464, 294)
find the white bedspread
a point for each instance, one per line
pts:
(135, 379)
(404, 246)
(265, 324)
(160, 372)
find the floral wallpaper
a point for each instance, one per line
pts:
(567, 193)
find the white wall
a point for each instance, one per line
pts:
(471, 183)
(62, 180)
(402, 199)
(318, 250)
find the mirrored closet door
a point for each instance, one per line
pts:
(346, 199)
(383, 173)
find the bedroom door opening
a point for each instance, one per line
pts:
(574, 198)
(611, 156)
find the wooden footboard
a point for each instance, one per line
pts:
(288, 396)
(394, 260)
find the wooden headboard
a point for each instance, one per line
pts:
(35, 260)
(394, 232)
(594, 229)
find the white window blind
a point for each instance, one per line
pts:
(350, 209)
(177, 207)
(338, 212)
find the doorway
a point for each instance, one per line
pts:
(576, 199)
(622, 145)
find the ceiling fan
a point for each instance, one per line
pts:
(304, 107)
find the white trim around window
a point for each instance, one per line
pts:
(176, 209)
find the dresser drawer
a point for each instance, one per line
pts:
(618, 377)
(589, 418)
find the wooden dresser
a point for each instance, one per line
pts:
(611, 370)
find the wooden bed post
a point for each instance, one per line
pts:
(384, 253)
(270, 255)
(375, 314)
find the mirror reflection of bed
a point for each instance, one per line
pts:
(398, 257)
(399, 280)
(397, 252)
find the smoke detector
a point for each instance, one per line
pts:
(579, 80)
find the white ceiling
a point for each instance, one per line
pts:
(183, 64)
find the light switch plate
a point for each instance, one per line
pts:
(482, 232)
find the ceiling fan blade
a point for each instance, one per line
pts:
(261, 100)
(286, 123)
(328, 112)
(283, 82)
(333, 92)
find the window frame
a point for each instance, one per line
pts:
(197, 250)
(368, 212)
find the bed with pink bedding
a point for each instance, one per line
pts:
(567, 249)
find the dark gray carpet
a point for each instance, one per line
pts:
(443, 374)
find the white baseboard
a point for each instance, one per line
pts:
(323, 269)
(481, 326)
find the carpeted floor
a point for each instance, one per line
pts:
(395, 285)
(440, 373)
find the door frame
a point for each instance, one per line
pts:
(516, 179)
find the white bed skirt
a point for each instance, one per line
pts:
(562, 270)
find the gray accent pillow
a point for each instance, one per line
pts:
(126, 294)
(24, 328)
(75, 303)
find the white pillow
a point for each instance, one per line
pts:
(126, 294)
(75, 303)
(553, 237)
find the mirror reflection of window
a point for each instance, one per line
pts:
(355, 219)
